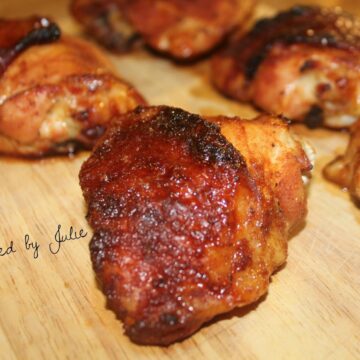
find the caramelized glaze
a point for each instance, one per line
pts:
(185, 226)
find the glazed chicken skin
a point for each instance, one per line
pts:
(304, 64)
(190, 217)
(57, 96)
(182, 29)
(345, 170)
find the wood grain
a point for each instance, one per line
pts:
(51, 307)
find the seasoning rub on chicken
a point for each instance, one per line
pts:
(303, 63)
(190, 217)
(182, 29)
(55, 93)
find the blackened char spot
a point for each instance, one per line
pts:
(308, 65)
(253, 64)
(204, 140)
(23, 34)
(314, 118)
(169, 319)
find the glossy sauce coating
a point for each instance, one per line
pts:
(184, 228)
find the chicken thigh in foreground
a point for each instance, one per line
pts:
(190, 216)
(55, 93)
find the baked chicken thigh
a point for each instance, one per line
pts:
(55, 93)
(303, 63)
(190, 217)
(345, 170)
(182, 29)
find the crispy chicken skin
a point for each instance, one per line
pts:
(304, 64)
(182, 29)
(58, 96)
(190, 216)
(345, 170)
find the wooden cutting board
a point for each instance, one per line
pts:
(51, 307)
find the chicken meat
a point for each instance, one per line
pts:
(182, 29)
(345, 169)
(191, 216)
(303, 63)
(56, 93)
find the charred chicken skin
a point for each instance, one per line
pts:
(57, 95)
(303, 63)
(182, 29)
(345, 170)
(190, 216)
